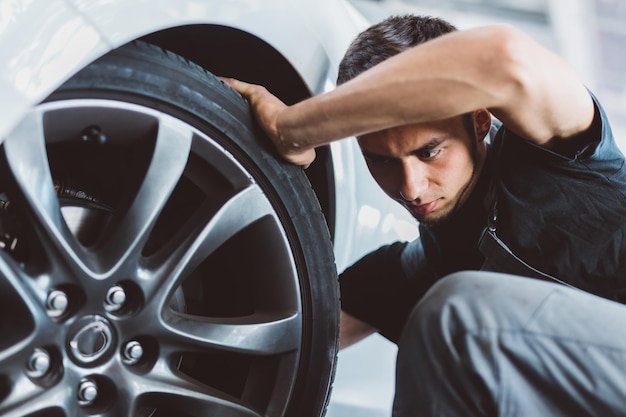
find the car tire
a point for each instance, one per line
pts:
(164, 261)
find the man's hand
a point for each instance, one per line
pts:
(267, 109)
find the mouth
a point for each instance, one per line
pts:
(424, 209)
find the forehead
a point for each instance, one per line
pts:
(401, 140)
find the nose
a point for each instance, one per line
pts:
(414, 180)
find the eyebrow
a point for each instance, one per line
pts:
(433, 143)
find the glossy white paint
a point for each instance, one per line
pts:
(43, 42)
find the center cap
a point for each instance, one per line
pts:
(91, 338)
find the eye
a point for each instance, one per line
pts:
(428, 153)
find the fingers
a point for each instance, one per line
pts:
(231, 82)
(257, 95)
(249, 91)
(302, 159)
(237, 85)
(227, 80)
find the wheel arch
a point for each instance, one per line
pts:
(232, 52)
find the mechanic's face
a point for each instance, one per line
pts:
(429, 168)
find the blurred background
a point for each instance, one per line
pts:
(591, 36)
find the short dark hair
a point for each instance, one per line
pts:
(388, 38)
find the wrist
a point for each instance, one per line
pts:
(289, 143)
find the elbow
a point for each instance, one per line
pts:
(512, 54)
(508, 44)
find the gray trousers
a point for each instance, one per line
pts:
(489, 344)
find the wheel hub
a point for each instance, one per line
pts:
(91, 338)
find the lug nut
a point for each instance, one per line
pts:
(93, 134)
(38, 364)
(87, 392)
(115, 298)
(133, 352)
(57, 303)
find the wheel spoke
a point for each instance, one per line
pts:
(170, 157)
(27, 399)
(21, 302)
(15, 283)
(187, 397)
(243, 209)
(258, 334)
(36, 200)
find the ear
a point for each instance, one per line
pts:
(482, 123)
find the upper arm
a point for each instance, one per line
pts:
(543, 98)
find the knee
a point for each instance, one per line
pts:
(461, 302)
(459, 286)
(459, 290)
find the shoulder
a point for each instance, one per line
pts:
(597, 142)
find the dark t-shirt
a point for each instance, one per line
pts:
(561, 210)
(566, 216)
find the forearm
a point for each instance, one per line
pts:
(353, 330)
(431, 82)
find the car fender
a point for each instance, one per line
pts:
(44, 42)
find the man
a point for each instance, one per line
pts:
(546, 199)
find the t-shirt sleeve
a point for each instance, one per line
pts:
(383, 287)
